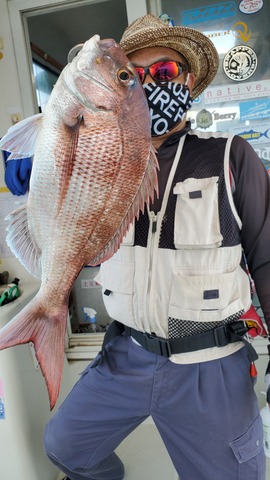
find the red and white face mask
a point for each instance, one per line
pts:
(168, 103)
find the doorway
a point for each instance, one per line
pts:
(44, 32)
(52, 34)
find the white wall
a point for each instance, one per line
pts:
(10, 96)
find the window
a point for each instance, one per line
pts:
(44, 82)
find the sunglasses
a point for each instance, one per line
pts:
(162, 71)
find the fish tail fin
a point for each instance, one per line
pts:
(36, 323)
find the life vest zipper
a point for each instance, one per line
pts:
(155, 222)
(151, 241)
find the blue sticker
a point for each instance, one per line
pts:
(207, 13)
(258, 133)
(197, 99)
(166, 19)
(255, 109)
(253, 135)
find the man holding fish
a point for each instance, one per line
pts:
(179, 291)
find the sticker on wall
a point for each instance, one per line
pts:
(219, 34)
(166, 19)
(250, 6)
(242, 32)
(207, 13)
(255, 109)
(204, 119)
(263, 153)
(224, 115)
(240, 63)
(258, 133)
(236, 92)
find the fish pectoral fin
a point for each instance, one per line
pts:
(21, 243)
(36, 324)
(143, 197)
(20, 139)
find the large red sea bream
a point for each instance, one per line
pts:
(93, 171)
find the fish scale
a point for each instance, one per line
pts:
(94, 169)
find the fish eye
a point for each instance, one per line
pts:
(124, 75)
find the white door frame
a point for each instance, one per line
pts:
(18, 12)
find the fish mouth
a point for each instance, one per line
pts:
(96, 48)
(101, 49)
(103, 45)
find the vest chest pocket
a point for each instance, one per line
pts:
(196, 214)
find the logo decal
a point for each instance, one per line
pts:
(254, 110)
(263, 153)
(236, 91)
(207, 13)
(258, 133)
(250, 6)
(245, 34)
(253, 135)
(204, 119)
(240, 63)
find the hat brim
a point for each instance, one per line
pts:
(198, 50)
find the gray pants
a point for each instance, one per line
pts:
(206, 413)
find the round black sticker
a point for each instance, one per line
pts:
(240, 63)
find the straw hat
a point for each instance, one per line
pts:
(199, 51)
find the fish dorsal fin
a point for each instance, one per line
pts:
(20, 139)
(21, 243)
